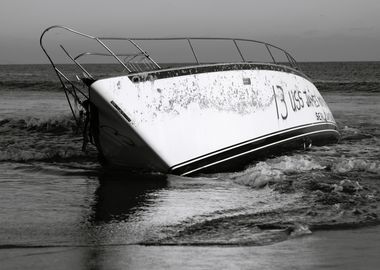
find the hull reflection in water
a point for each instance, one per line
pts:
(121, 195)
(159, 209)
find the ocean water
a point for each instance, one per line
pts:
(308, 210)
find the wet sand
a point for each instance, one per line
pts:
(343, 249)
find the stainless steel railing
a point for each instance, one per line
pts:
(142, 61)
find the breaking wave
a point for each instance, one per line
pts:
(54, 138)
(60, 123)
(286, 167)
(356, 164)
(274, 170)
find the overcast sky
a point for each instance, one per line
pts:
(312, 30)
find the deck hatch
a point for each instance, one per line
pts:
(246, 81)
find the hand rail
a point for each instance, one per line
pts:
(106, 54)
(151, 63)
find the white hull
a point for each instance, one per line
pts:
(194, 119)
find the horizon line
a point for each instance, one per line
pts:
(311, 61)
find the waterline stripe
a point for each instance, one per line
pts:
(258, 148)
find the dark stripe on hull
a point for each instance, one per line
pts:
(237, 156)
